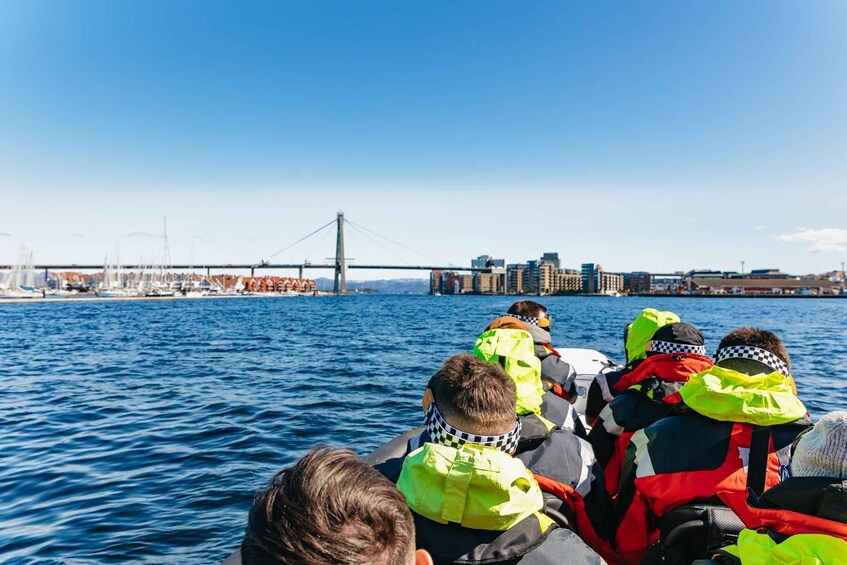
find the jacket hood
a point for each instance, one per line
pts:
(478, 487)
(726, 395)
(516, 350)
(539, 335)
(641, 330)
(800, 549)
(670, 367)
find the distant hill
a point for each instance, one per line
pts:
(382, 286)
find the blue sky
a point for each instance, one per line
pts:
(642, 135)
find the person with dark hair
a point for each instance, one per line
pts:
(330, 508)
(646, 394)
(471, 500)
(558, 376)
(635, 337)
(743, 409)
(508, 342)
(804, 518)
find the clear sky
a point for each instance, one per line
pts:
(641, 135)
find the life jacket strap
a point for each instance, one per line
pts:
(757, 464)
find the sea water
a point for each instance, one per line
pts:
(139, 431)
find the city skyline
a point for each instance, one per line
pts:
(688, 136)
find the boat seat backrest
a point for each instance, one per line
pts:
(692, 531)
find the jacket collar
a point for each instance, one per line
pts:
(671, 367)
(816, 496)
(478, 487)
(730, 396)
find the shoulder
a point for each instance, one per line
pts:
(565, 458)
(561, 547)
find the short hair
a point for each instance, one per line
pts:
(329, 508)
(527, 308)
(475, 396)
(755, 337)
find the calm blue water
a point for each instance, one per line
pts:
(138, 431)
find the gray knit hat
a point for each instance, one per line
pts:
(823, 451)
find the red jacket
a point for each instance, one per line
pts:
(682, 459)
(656, 382)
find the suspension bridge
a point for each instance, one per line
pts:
(339, 264)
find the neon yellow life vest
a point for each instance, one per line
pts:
(641, 330)
(802, 549)
(517, 350)
(726, 395)
(478, 487)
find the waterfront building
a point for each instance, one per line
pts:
(767, 274)
(466, 283)
(448, 282)
(487, 261)
(753, 286)
(706, 274)
(638, 282)
(530, 277)
(609, 282)
(487, 283)
(434, 282)
(515, 277)
(547, 278)
(667, 284)
(589, 277)
(568, 282)
(551, 258)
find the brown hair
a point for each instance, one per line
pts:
(763, 339)
(475, 396)
(527, 308)
(329, 508)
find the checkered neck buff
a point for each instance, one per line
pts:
(527, 319)
(756, 354)
(658, 346)
(441, 432)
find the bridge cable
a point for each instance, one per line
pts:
(434, 260)
(355, 227)
(302, 239)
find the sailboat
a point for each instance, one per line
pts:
(20, 282)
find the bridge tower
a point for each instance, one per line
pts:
(340, 286)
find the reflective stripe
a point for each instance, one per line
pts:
(583, 487)
(607, 416)
(644, 465)
(604, 387)
(570, 419)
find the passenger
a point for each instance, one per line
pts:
(330, 508)
(804, 518)
(557, 375)
(507, 341)
(635, 337)
(745, 404)
(646, 394)
(471, 500)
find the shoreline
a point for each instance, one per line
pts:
(93, 298)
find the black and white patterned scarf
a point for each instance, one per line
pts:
(756, 354)
(659, 346)
(527, 319)
(443, 433)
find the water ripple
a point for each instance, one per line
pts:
(138, 431)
